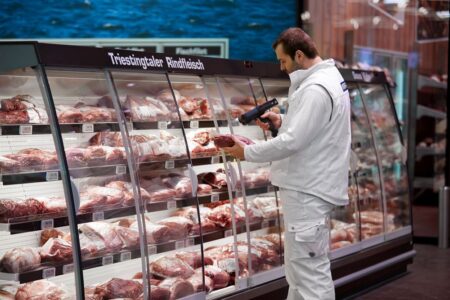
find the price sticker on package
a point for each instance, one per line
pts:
(47, 224)
(49, 272)
(215, 198)
(194, 124)
(215, 159)
(107, 260)
(228, 232)
(190, 242)
(265, 224)
(162, 125)
(68, 268)
(25, 129)
(171, 204)
(125, 256)
(170, 164)
(98, 216)
(179, 245)
(121, 169)
(52, 176)
(88, 128)
(151, 249)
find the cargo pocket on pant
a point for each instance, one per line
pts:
(311, 238)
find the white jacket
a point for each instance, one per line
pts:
(311, 152)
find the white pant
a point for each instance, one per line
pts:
(307, 266)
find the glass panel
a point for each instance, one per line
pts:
(390, 151)
(367, 178)
(34, 240)
(278, 89)
(97, 160)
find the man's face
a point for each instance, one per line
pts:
(287, 64)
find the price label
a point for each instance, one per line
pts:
(194, 124)
(241, 283)
(25, 129)
(129, 125)
(121, 169)
(228, 232)
(270, 189)
(0, 130)
(1, 180)
(87, 128)
(180, 245)
(52, 176)
(47, 224)
(170, 164)
(125, 256)
(190, 242)
(171, 204)
(215, 198)
(98, 216)
(215, 159)
(151, 249)
(68, 268)
(264, 224)
(162, 125)
(107, 260)
(47, 273)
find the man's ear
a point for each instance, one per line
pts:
(298, 55)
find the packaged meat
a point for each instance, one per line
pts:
(221, 215)
(76, 157)
(170, 266)
(91, 245)
(372, 217)
(194, 108)
(8, 291)
(15, 208)
(41, 289)
(340, 244)
(200, 143)
(104, 231)
(276, 240)
(193, 258)
(100, 155)
(157, 190)
(158, 293)
(219, 277)
(204, 189)
(255, 178)
(52, 205)
(47, 234)
(19, 102)
(197, 282)
(178, 287)
(119, 288)
(217, 180)
(147, 109)
(14, 117)
(253, 213)
(267, 251)
(267, 206)
(226, 140)
(129, 237)
(18, 260)
(92, 114)
(56, 250)
(191, 213)
(89, 201)
(181, 184)
(155, 233)
(179, 227)
(8, 165)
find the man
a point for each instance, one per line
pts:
(310, 159)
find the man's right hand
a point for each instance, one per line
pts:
(274, 117)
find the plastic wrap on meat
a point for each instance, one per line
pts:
(226, 140)
(157, 190)
(14, 117)
(18, 260)
(219, 277)
(218, 179)
(91, 245)
(179, 227)
(193, 258)
(275, 239)
(91, 114)
(191, 213)
(41, 289)
(8, 164)
(266, 251)
(47, 234)
(204, 189)
(12, 208)
(76, 157)
(197, 282)
(368, 230)
(127, 189)
(129, 237)
(372, 217)
(104, 231)
(98, 155)
(119, 288)
(52, 205)
(200, 143)
(105, 138)
(338, 235)
(68, 114)
(178, 287)
(267, 206)
(102, 196)
(221, 215)
(181, 184)
(256, 178)
(89, 201)
(155, 233)
(169, 266)
(56, 250)
(253, 213)
(6, 295)
(19, 102)
(27, 162)
(147, 109)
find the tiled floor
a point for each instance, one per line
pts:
(428, 278)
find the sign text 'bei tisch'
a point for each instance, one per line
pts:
(153, 62)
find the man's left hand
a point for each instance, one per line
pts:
(237, 151)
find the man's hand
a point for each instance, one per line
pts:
(237, 151)
(274, 117)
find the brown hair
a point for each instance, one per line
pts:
(294, 39)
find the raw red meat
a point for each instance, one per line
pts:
(256, 178)
(155, 233)
(221, 215)
(372, 217)
(8, 164)
(158, 293)
(146, 109)
(181, 184)
(91, 114)
(220, 278)
(57, 250)
(104, 231)
(217, 180)
(226, 140)
(18, 260)
(10, 208)
(197, 282)
(68, 114)
(338, 235)
(266, 251)
(89, 201)
(129, 237)
(204, 189)
(119, 288)
(112, 139)
(157, 190)
(14, 117)
(47, 234)
(189, 105)
(169, 266)
(52, 205)
(178, 287)
(193, 259)
(91, 245)
(340, 244)
(191, 213)
(76, 157)
(179, 227)
(267, 206)
(41, 290)
(275, 239)
(19, 102)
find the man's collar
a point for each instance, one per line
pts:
(298, 76)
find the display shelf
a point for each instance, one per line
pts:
(162, 125)
(24, 129)
(182, 162)
(434, 183)
(423, 151)
(423, 111)
(257, 190)
(344, 251)
(425, 81)
(266, 276)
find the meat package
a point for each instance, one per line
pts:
(19, 260)
(194, 108)
(119, 288)
(22, 109)
(170, 266)
(255, 178)
(179, 227)
(191, 213)
(372, 223)
(42, 289)
(147, 109)
(226, 140)
(217, 180)
(201, 143)
(155, 233)
(167, 186)
(28, 159)
(84, 113)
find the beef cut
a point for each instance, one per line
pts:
(105, 232)
(181, 184)
(219, 277)
(56, 250)
(146, 109)
(159, 293)
(221, 215)
(11, 208)
(169, 266)
(226, 140)
(8, 164)
(179, 227)
(178, 287)
(52, 205)
(47, 234)
(129, 237)
(191, 213)
(119, 288)
(193, 258)
(155, 233)
(18, 260)
(197, 282)
(76, 157)
(218, 179)
(41, 289)
(19, 102)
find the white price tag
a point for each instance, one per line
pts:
(194, 124)
(190, 242)
(47, 224)
(98, 216)
(107, 260)
(121, 169)
(52, 176)
(162, 125)
(180, 245)
(241, 283)
(25, 129)
(151, 249)
(87, 128)
(129, 125)
(125, 256)
(170, 164)
(68, 268)
(264, 224)
(215, 198)
(215, 159)
(270, 189)
(228, 232)
(171, 204)
(47, 273)
(0, 130)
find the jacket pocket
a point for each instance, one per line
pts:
(311, 238)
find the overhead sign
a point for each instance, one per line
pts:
(193, 50)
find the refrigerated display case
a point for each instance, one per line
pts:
(114, 185)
